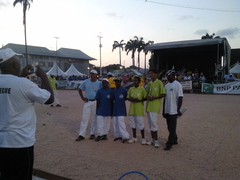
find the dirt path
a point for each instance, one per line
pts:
(209, 143)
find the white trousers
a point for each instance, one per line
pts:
(56, 100)
(103, 125)
(152, 121)
(89, 109)
(120, 127)
(136, 121)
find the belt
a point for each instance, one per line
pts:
(91, 99)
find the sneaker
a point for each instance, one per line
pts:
(117, 138)
(124, 140)
(143, 141)
(58, 105)
(80, 138)
(132, 140)
(150, 142)
(92, 136)
(51, 105)
(104, 137)
(167, 148)
(156, 144)
(99, 138)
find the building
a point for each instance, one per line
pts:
(210, 56)
(64, 57)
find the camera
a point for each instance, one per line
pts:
(35, 66)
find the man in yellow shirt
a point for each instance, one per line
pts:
(53, 83)
(110, 78)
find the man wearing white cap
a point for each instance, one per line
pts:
(17, 115)
(171, 107)
(104, 99)
(111, 80)
(90, 86)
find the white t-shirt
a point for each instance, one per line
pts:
(17, 112)
(173, 92)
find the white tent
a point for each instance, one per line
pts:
(235, 68)
(56, 71)
(73, 71)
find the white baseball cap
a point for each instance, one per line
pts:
(93, 71)
(6, 54)
(105, 79)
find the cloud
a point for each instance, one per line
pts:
(201, 32)
(229, 32)
(185, 17)
(111, 14)
(4, 3)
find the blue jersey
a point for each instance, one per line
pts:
(90, 88)
(105, 97)
(119, 97)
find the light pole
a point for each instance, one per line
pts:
(88, 68)
(56, 52)
(100, 46)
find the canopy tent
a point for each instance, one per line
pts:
(56, 71)
(235, 69)
(73, 71)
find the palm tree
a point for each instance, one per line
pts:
(207, 36)
(131, 47)
(146, 52)
(120, 46)
(139, 45)
(26, 4)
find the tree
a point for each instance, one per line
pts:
(25, 4)
(120, 46)
(146, 52)
(131, 47)
(139, 46)
(207, 36)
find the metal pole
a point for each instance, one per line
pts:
(56, 52)
(100, 46)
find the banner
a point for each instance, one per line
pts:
(227, 88)
(187, 85)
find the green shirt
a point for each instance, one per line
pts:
(136, 108)
(155, 89)
(52, 82)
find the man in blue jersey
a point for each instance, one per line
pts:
(104, 99)
(119, 111)
(90, 86)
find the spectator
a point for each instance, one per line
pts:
(18, 117)
(53, 84)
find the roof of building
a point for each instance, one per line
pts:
(189, 43)
(43, 51)
(73, 53)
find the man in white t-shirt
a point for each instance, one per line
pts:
(17, 115)
(171, 107)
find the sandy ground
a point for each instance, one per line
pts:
(209, 143)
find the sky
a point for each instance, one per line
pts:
(78, 23)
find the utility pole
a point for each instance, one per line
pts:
(56, 52)
(100, 47)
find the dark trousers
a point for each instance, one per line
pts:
(16, 163)
(172, 126)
